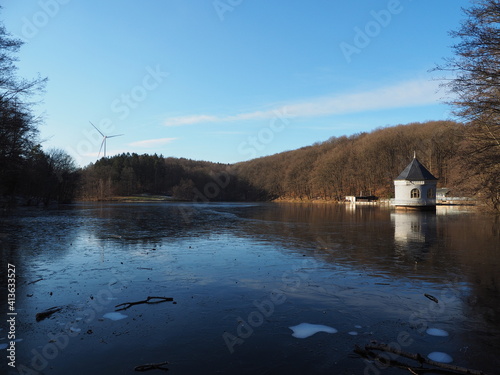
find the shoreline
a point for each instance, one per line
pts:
(380, 202)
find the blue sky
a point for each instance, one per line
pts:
(229, 80)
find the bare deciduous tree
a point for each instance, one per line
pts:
(475, 89)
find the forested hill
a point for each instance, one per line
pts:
(361, 164)
(365, 163)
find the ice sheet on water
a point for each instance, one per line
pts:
(352, 333)
(304, 330)
(115, 316)
(440, 357)
(436, 332)
(3, 346)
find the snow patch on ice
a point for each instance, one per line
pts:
(115, 316)
(304, 330)
(436, 332)
(440, 357)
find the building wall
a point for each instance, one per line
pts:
(403, 193)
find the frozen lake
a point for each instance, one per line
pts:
(240, 276)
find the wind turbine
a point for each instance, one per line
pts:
(104, 137)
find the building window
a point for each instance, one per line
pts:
(415, 193)
(430, 193)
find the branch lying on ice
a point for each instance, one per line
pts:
(45, 314)
(149, 301)
(442, 368)
(152, 366)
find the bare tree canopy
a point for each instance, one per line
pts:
(11, 86)
(27, 174)
(475, 92)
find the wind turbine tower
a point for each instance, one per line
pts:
(104, 138)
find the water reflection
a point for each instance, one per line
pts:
(413, 227)
(415, 233)
(447, 248)
(335, 266)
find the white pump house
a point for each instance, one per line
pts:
(415, 187)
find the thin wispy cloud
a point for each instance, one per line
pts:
(152, 143)
(404, 94)
(222, 132)
(198, 119)
(191, 119)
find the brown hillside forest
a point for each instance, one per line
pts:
(360, 164)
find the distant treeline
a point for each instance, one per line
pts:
(184, 179)
(361, 164)
(29, 175)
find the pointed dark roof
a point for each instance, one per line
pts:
(415, 171)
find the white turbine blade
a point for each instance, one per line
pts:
(111, 136)
(102, 144)
(97, 129)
